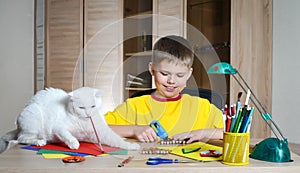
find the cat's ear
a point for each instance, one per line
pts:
(98, 93)
(72, 96)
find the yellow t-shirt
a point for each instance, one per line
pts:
(176, 115)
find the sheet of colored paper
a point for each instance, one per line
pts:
(43, 151)
(177, 150)
(86, 148)
(54, 156)
(60, 156)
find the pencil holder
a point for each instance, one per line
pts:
(236, 148)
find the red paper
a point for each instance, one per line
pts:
(85, 147)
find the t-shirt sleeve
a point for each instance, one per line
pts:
(217, 114)
(212, 113)
(121, 115)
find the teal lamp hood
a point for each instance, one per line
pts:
(270, 149)
(222, 68)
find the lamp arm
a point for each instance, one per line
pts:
(266, 116)
(261, 105)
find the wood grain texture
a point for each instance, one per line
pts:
(170, 17)
(102, 49)
(83, 47)
(26, 161)
(64, 42)
(251, 53)
(102, 56)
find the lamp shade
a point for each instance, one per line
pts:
(221, 68)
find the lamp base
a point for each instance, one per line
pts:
(272, 150)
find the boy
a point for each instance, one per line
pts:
(182, 116)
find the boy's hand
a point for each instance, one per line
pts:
(144, 134)
(197, 135)
(189, 137)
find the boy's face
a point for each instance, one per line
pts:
(170, 78)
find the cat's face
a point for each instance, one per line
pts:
(84, 102)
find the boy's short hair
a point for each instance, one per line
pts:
(173, 48)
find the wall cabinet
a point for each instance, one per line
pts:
(137, 36)
(212, 19)
(101, 43)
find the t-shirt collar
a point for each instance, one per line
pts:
(166, 99)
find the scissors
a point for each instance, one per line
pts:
(157, 161)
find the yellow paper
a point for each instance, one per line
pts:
(54, 156)
(60, 156)
(177, 150)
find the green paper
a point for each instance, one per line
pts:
(118, 152)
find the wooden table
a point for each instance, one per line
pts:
(26, 161)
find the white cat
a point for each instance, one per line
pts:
(52, 115)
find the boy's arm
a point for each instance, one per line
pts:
(141, 133)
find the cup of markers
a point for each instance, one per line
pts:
(236, 138)
(236, 148)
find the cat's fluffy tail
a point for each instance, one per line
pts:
(4, 140)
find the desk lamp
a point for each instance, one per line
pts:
(270, 149)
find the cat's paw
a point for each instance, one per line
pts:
(74, 144)
(133, 146)
(40, 142)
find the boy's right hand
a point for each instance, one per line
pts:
(145, 134)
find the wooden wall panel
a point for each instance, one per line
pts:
(64, 43)
(251, 53)
(169, 18)
(103, 47)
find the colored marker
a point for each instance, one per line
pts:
(238, 103)
(244, 112)
(248, 123)
(245, 120)
(233, 120)
(247, 97)
(228, 123)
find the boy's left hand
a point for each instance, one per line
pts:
(189, 137)
(197, 135)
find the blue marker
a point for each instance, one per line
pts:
(247, 121)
